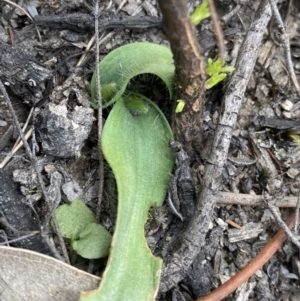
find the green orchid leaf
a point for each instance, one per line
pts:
(135, 143)
(73, 218)
(126, 62)
(93, 242)
(214, 79)
(200, 13)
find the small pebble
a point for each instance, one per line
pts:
(3, 123)
(292, 173)
(287, 105)
(294, 188)
(222, 224)
(287, 115)
(277, 183)
(259, 274)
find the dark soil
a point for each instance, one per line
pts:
(74, 155)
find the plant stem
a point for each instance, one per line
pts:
(189, 70)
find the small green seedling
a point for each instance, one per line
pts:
(135, 143)
(180, 105)
(78, 224)
(216, 70)
(200, 13)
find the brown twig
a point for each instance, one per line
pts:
(14, 150)
(297, 214)
(100, 121)
(17, 144)
(284, 37)
(290, 235)
(233, 12)
(12, 36)
(229, 198)
(189, 71)
(217, 29)
(255, 264)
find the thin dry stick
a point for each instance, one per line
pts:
(88, 47)
(26, 13)
(286, 44)
(7, 242)
(18, 144)
(230, 198)
(100, 121)
(35, 166)
(121, 5)
(254, 265)
(177, 265)
(283, 226)
(12, 111)
(297, 214)
(14, 150)
(217, 29)
(228, 16)
(25, 125)
(90, 44)
(99, 102)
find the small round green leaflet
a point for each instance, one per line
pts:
(93, 242)
(73, 218)
(126, 62)
(78, 224)
(136, 147)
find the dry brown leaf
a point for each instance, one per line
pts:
(26, 275)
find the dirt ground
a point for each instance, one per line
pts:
(65, 61)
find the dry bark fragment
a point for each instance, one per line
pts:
(23, 75)
(83, 22)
